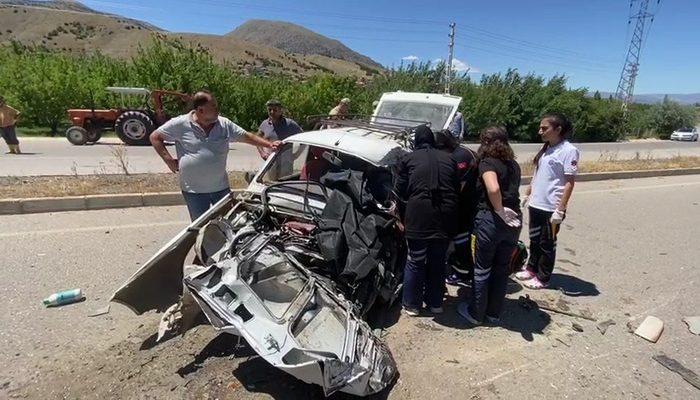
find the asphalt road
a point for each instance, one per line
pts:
(56, 156)
(628, 249)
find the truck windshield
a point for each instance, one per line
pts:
(435, 114)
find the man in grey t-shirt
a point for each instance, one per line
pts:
(201, 139)
(276, 126)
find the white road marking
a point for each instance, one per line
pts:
(626, 189)
(94, 228)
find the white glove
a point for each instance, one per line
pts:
(509, 216)
(524, 201)
(557, 217)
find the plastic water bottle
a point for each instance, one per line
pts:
(65, 297)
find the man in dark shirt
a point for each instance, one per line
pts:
(276, 126)
(428, 183)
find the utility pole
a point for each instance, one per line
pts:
(448, 76)
(625, 88)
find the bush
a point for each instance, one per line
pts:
(45, 83)
(669, 116)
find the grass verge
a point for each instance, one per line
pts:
(610, 163)
(80, 185)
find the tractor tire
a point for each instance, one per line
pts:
(77, 135)
(134, 128)
(94, 135)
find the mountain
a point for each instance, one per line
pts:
(72, 6)
(72, 27)
(692, 98)
(293, 38)
(653, 98)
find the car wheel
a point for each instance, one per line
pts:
(77, 135)
(134, 128)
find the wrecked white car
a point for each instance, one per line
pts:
(296, 262)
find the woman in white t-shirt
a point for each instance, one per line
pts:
(556, 166)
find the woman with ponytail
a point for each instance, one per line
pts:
(497, 226)
(548, 195)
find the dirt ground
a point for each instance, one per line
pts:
(16, 187)
(627, 250)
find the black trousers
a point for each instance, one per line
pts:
(543, 243)
(9, 134)
(495, 243)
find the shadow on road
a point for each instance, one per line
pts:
(258, 376)
(572, 286)
(223, 345)
(513, 317)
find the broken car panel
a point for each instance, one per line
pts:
(297, 261)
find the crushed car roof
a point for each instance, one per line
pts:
(367, 144)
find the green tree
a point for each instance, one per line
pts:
(669, 116)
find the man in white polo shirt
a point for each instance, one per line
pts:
(201, 139)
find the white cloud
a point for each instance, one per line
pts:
(459, 66)
(411, 58)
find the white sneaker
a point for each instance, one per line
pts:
(535, 284)
(524, 274)
(411, 312)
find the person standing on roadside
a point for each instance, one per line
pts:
(202, 140)
(456, 127)
(341, 110)
(497, 226)
(548, 195)
(428, 183)
(276, 126)
(8, 121)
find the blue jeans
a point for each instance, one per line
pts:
(495, 243)
(199, 203)
(424, 276)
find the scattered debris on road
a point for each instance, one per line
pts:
(100, 311)
(64, 297)
(693, 324)
(675, 366)
(527, 303)
(603, 326)
(576, 327)
(650, 329)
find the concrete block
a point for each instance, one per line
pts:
(53, 204)
(163, 199)
(102, 201)
(650, 329)
(11, 206)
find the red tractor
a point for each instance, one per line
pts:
(132, 125)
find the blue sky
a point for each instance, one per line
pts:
(584, 39)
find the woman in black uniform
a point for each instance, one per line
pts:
(497, 226)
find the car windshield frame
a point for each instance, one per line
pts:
(406, 113)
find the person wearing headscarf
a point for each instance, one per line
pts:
(428, 185)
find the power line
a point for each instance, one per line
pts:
(308, 12)
(521, 42)
(533, 60)
(534, 53)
